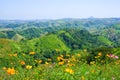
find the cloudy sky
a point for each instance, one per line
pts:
(56, 9)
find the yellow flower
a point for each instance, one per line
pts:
(73, 59)
(78, 55)
(99, 68)
(4, 68)
(28, 67)
(93, 71)
(117, 62)
(82, 78)
(61, 55)
(85, 50)
(23, 54)
(46, 63)
(49, 59)
(96, 56)
(40, 61)
(107, 55)
(10, 54)
(67, 55)
(22, 62)
(70, 64)
(70, 71)
(61, 63)
(32, 53)
(102, 61)
(99, 54)
(15, 55)
(60, 58)
(92, 62)
(11, 71)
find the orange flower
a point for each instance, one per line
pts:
(32, 53)
(22, 62)
(61, 63)
(11, 71)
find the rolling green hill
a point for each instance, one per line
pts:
(48, 42)
(63, 40)
(62, 34)
(82, 39)
(34, 29)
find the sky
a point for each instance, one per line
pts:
(57, 9)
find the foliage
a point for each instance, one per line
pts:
(66, 66)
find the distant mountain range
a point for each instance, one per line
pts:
(63, 34)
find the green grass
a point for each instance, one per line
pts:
(74, 68)
(75, 65)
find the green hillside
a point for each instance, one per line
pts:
(62, 40)
(34, 29)
(48, 42)
(82, 39)
(61, 49)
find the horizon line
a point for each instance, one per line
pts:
(63, 18)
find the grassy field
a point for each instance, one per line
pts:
(79, 66)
